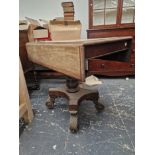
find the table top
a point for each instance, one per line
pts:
(67, 57)
(82, 41)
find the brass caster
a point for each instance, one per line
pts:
(50, 103)
(73, 123)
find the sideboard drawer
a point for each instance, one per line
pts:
(106, 65)
(95, 51)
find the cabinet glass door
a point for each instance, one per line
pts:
(128, 11)
(104, 12)
(98, 12)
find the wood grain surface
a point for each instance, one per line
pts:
(66, 59)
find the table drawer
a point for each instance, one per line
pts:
(105, 65)
(94, 51)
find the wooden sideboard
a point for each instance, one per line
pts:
(28, 66)
(23, 39)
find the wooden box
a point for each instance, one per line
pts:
(65, 30)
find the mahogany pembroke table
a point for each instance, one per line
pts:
(73, 58)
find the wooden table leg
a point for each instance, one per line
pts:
(74, 98)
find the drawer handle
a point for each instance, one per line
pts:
(132, 65)
(125, 44)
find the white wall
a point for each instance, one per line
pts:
(49, 9)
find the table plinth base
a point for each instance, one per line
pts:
(74, 101)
